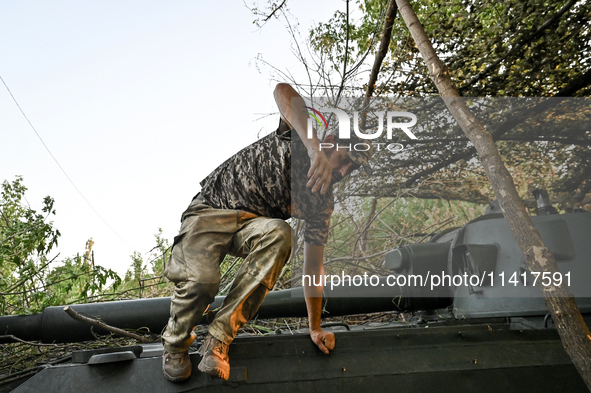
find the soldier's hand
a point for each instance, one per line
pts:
(323, 340)
(320, 172)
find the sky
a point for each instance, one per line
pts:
(138, 101)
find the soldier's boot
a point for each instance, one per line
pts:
(215, 360)
(176, 366)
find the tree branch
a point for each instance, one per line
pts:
(523, 138)
(576, 84)
(570, 325)
(384, 45)
(102, 325)
(21, 232)
(346, 59)
(15, 338)
(274, 11)
(5, 219)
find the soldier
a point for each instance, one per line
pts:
(241, 211)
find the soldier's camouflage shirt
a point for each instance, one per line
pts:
(269, 178)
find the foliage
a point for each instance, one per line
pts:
(538, 47)
(27, 281)
(492, 49)
(73, 281)
(18, 360)
(146, 279)
(25, 233)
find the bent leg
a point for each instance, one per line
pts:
(204, 240)
(188, 303)
(266, 243)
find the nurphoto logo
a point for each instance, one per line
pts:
(392, 123)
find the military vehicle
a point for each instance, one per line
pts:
(479, 325)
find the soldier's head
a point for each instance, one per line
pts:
(346, 156)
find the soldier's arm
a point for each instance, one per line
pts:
(291, 107)
(314, 267)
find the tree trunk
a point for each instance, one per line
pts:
(573, 331)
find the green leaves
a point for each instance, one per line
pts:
(28, 280)
(533, 48)
(24, 233)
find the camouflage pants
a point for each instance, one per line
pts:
(206, 236)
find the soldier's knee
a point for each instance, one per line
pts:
(208, 290)
(196, 290)
(280, 232)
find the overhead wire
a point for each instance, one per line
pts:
(61, 168)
